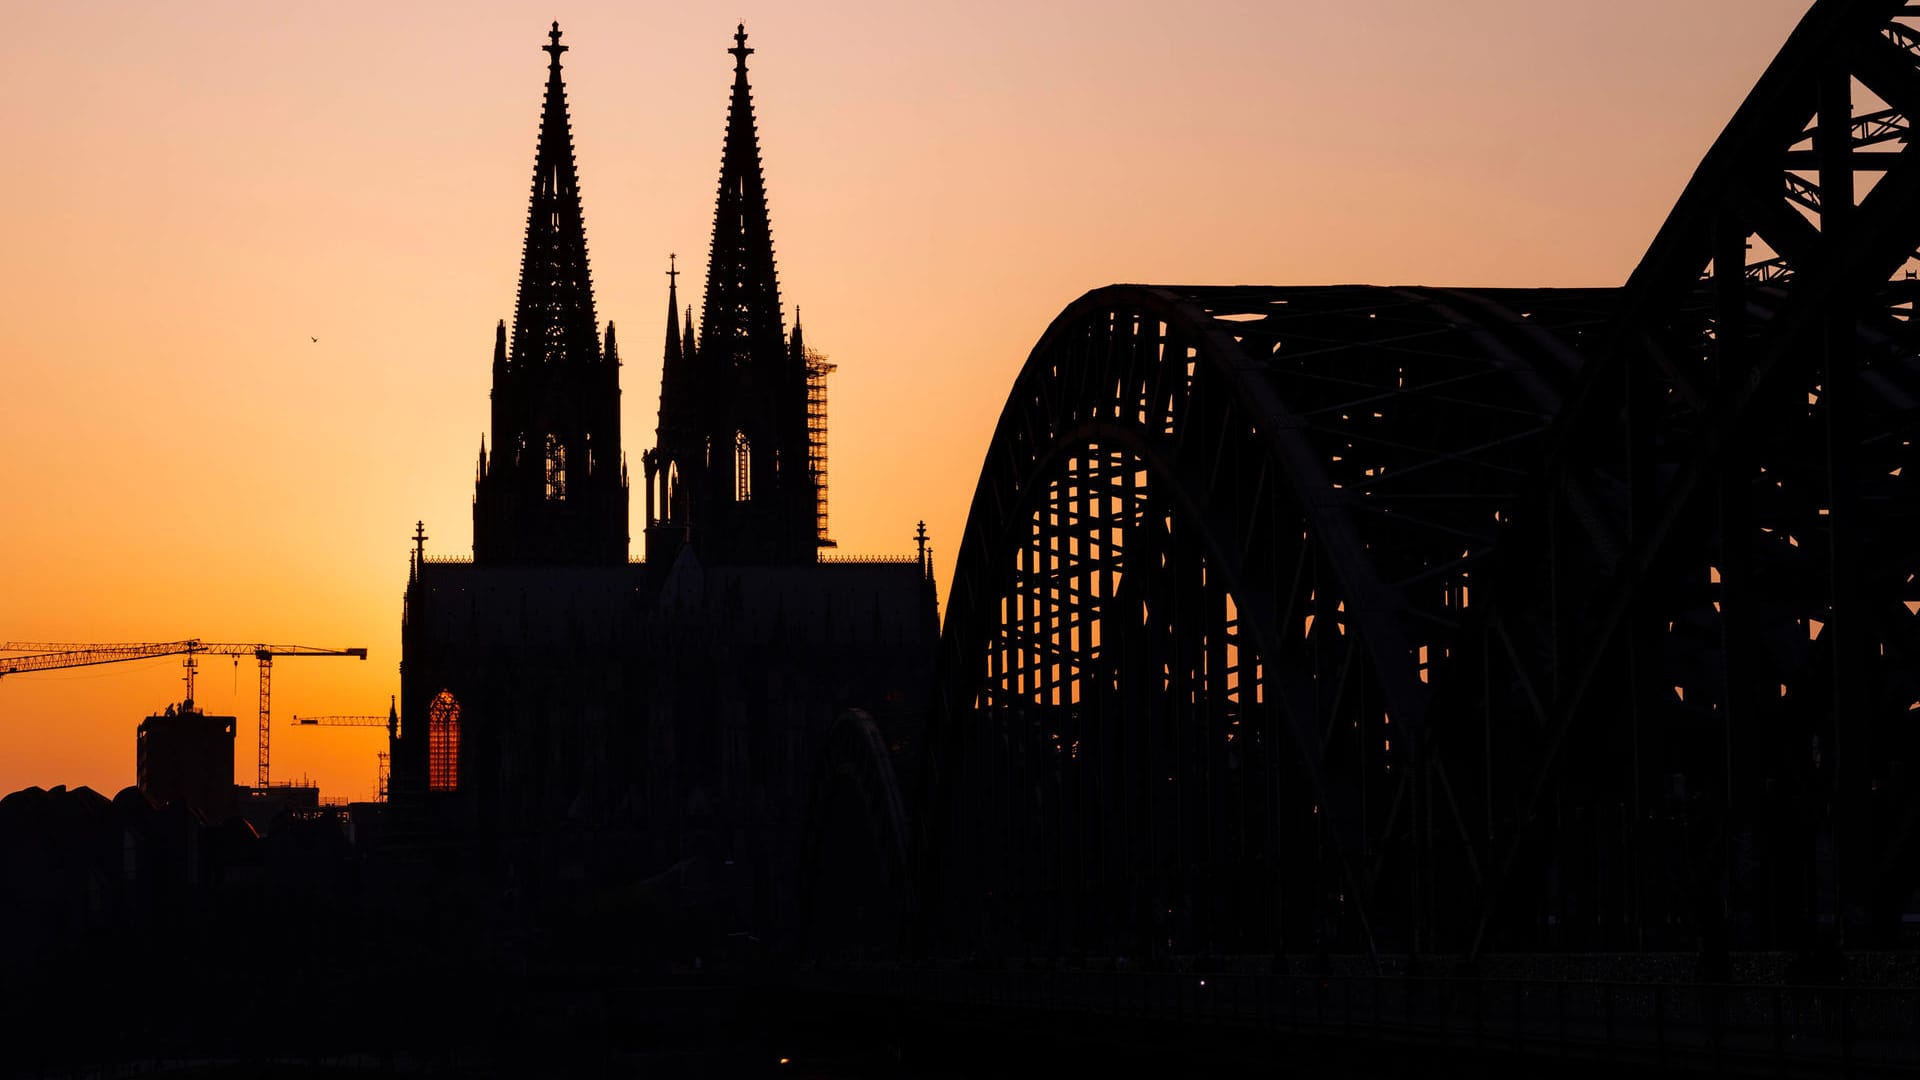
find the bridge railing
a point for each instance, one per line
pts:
(1852, 1029)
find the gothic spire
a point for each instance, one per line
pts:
(734, 410)
(551, 491)
(554, 321)
(742, 315)
(673, 309)
(676, 371)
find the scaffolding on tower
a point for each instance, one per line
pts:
(818, 368)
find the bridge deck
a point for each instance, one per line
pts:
(1680, 1027)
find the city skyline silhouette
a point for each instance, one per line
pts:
(228, 186)
(1527, 655)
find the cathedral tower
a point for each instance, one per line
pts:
(732, 473)
(553, 488)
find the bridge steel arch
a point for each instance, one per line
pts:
(1358, 619)
(1711, 600)
(1221, 540)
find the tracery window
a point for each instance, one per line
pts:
(742, 467)
(443, 742)
(556, 469)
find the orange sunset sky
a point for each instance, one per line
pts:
(193, 191)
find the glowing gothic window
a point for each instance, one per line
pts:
(742, 467)
(443, 742)
(556, 468)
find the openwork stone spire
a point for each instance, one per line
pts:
(742, 316)
(554, 321)
(732, 474)
(553, 489)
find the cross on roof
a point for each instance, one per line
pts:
(555, 49)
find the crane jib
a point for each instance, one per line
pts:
(54, 656)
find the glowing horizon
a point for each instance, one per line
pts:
(202, 193)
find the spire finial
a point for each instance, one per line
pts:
(554, 49)
(673, 275)
(740, 51)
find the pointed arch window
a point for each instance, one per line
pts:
(742, 467)
(443, 742)
(556, 469)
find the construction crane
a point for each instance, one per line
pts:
(391, 722)
(53, 656)
(338, 721)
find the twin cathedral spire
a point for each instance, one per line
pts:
(737, 471)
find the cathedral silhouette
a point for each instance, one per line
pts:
(571, 721)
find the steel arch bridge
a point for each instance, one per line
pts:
(1416, 620)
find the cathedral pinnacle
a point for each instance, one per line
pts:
(554, 49)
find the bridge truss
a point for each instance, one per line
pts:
(1439, 621)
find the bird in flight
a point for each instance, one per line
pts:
(314, 339)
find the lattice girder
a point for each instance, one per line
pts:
(1299, 596)
(1417, 550)
(1748, 421)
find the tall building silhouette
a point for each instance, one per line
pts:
(733, 473)
(571, 719)
(554, 487)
